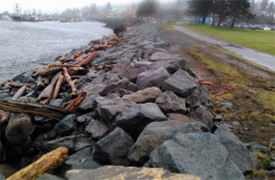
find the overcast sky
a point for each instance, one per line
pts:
(59, 5)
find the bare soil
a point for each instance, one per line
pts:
(251, 120)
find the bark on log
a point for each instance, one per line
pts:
(73, 106)
(58, 86)
(70, 82)
(89, 59)
(44, 164)
(64, 65)
(51, 112)
(47, 71)
(48, 91)
(19, 93)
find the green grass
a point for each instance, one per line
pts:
(256, 39)
(168, 26)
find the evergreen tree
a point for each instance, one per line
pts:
(271, 9)
(201, 8)
(147, 8)
(239, 9)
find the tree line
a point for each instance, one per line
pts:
(220, 10)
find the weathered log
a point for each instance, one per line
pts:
(19, 85)
(58, 86)
(64, 65)
(19, 93)
(44, 164)
(101, 47)
(70, 82)
(89, 59)
(73, 106)
(45, 72)
(48, 91)
(44, 110)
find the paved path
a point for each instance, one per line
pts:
(263, 59)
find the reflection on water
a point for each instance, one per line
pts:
(23, 45)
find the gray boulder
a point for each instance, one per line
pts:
(238, 152)
(203, 115)
(180, 117)
(160, 56)
(154, 77)
(98, 129)
(67, 125)
(154, 134)
(171, 66)
(113, 148)
(200, 154)
(170, 102)
(126, 173)
(180, 83)
(136, 118)
(145, 95)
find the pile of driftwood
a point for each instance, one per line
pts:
(65, 71)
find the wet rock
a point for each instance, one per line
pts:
(113, 148)
(238, 153)
(67, 125)
(6, 170)
(85, 118)
(48, 176)
(133, 73)
(112, 106)
(19, 129)
(252, 146)
(180, 83)
(73, 143)
(82, 159)
(136, 118)
(56, 102)
(145, 95)
(199, 97)
(218, 118)
(170, 66)
(180, 117)
(114, 86)
(90, 103)
(98, 129)
(154, 135)
(170, 102)
(120, 172)
(150, 78)
(143, 64)
(161, 56)
(203, 115)
(200, 154)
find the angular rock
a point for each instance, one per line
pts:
(154, 77)
(98, 129)
(6, 170)
(136, 118)
(238, 152)
(112, 106)
(160, 56)
(145, 95)
(84, 118)
(170, 66)
(154, 134)
(114, 86)
(143, 64)
(203, 115)
(131, 173)
(200, 154)
(180, 83)
(56, 102)
(113, 148)
(67, 125)
(48, 176)
(170, 102)
(161, 44)
(19, 129)
(180, 117)
(198, 97)
(252, 146)
(133, 73)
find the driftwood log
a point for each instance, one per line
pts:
(48, 111)
(69, 81)
(44, 164)
(73, 106)
(46, 72)
(19, 93)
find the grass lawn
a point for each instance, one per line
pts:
(256, 39)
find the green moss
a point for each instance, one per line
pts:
(260, 173)
(168, 26)
(263, 159)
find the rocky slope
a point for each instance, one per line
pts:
(148, 110)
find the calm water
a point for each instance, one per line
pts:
(23, 45)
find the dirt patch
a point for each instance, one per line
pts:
(249, 88)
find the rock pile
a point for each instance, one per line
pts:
(142, 107)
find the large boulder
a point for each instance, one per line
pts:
(136, 118)
(200, 154)
(170, 102)
(180, 83)
(145, 95)
(238, 152)
(154, 135)
(19, 129)
(203, 115)
(171, 66)
(131, 173)
(113, 148)
(111, 106)
(160, 56)
(98, 129)
(67, 125)
(154, 77)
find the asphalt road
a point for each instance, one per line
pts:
(258, 57)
